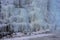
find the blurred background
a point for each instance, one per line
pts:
(28, 16)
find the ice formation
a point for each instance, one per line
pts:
(30, 15)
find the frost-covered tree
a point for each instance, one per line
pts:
(37, 10)
(29, 15)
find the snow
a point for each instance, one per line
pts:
(34, 11)
(29, 37)
(41, 31)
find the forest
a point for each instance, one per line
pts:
(29, 16)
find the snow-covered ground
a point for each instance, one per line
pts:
(49, 36)
(45, 36)
(28, 37)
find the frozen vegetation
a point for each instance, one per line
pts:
(29, 17)
(24, 15)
